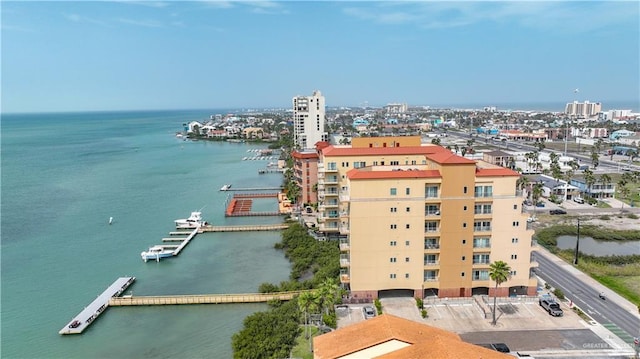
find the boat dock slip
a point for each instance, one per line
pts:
(202, 299)
(82, 321)
(247, 228)
(186, 241)
(256, 189)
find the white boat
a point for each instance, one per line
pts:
(110, 220)
(225, 187)
(156, 253)
(194, 221)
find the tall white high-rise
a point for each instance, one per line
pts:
(308, 120)
(583, 109)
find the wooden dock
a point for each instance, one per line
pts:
(255, 189)
(82, 321)
(201, 299)
(246, 228)
(186, 241)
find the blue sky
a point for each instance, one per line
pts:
(126, 55)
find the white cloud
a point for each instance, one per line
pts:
(144, 23)
(571, 16)
(83, 19)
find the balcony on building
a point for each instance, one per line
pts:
(330, 180)
(431, 227)
(482, 226)
(431, 260)
(481, 259)
(432, 245)
(344, 196)
(481, 243)
(345, 278)
(344, 229)
(344, 261)
(331, 191)
(432, 210)
(329, 227)
(430, 275)
(483, 210)
(344, 244)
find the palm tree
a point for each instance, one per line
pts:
(605, 179)
(308, 303)
(589, 180)
(329, 292)
(499, 272)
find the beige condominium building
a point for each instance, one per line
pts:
(420, 219)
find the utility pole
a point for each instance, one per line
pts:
(575, 260)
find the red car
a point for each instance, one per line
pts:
(74, 324)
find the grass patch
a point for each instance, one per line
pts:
(301, 348)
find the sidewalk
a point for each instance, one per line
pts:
(611, 295)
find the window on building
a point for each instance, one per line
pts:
(431, 209)
(464, 208)
(514, 256)
(393, 191)
(392, 259)
(407, 226)
(482, 226)
(393, 243)
(394, 226)
(462, 274)
(481, 259)
(430, 259)
(392, 276)
(408, 209)
(464, 225)
(406, 275)
(464, 241)
(514, 240)
(481, 242)
(515, 206)
(431, 192)
(516, 223)
(513, 273)
(407, 191)
(431, 243)
(464, 189)
(463, 257)
(482, 209)
(394, 163)
(431, 226)
(483, 191)
(406, 259)
(481, 274)
(406, 243)
(394, 209)
(359, 164)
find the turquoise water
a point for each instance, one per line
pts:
(64, 175)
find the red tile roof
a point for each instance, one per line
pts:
(496, 172)
(424, 341)
(449, 158)
(296, 154)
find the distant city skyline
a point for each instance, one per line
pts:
(146, 55)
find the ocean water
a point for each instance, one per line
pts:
(64, 175)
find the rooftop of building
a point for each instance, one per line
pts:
(389, 337)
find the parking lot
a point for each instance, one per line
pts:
(522, 324)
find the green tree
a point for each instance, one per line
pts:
(308, 303)
(595, 158)
(499, 272)
(589, 179)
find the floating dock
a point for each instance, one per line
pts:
(82, 321)
(186, 241)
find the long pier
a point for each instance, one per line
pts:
(255, 189)
(82, 321)
(201, 299)
(247, 228)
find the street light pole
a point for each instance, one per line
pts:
(575, 261)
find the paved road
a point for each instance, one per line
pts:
(611, 313)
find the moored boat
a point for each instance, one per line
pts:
(225, 187)
(194, 221)
(156, 253)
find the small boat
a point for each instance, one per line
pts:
(225, 187)
(157, 253)
(194, 221)
(110, 220)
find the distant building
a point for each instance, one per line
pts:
(396, 108)
(305, 169)
(583, 109)
(308, 120)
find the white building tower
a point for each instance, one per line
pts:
(308, 120)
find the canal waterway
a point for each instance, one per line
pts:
(64, 175)
(594, 247)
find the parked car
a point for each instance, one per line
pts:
(557, 211)
(578, 199)
(499, 347)
(550, 305)
(369, 312)
(540, 204)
